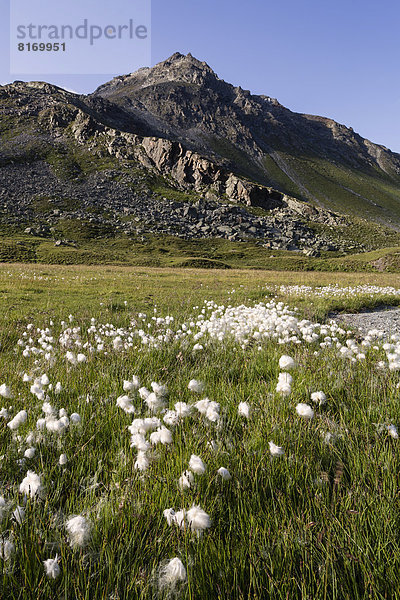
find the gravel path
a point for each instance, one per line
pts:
(386, 320)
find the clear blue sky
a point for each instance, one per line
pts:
(338, 59)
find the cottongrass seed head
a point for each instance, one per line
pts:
(79, 529)
(305, 411)
(171, 573)
(52, 567)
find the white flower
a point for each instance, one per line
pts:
(196, 386)
(78, 528)
(44, 380)
(286, 362)
(52, 567)
(318, 398)
(165, 435)
(212, 414)
(171, 418)
(276, 450)
(31, 485)
(139, 441)
(143, 393)
(182, 409)
(224, 473)
(305, 411)
(198, 519)
(18, 420)
(283, 388)
(47, 408)
(63, 460)
(125, 403)
(171, 573)
(81, 358)
(159, 389)
(154, 402)
(203, 405)
(244, 409)
(30, 452)
(185, 480)
(285, 378)
(142, 461)
(70, 356)
(5, 391)
(180, 518)
(132, 385)
(197, 465)
(169, 514)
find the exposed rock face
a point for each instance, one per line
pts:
(110, 160)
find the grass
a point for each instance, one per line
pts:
(319, 522)
(343, 189)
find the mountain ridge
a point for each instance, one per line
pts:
(175, 150)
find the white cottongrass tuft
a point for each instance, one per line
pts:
(305, 411)
(285, 378)
(19, 514)
(32, 485)
(392, 431)
(169, 514)
(52, 567)
(276, 450)
(29, 452)
(79, 529)
(142, 462)
(286, 362)
(162, 435)
(283, 388)
(171, 418)
(171, 574)
(75, 418)
(154, 402)
(196, 465)
(318, 398)
(244, 409)
(125, 403)
(130, 386)
(224, 473)
(185, 480)
(18, 420)
(63, 460)
(196, 386)
(159, 389)
(198, 519)
(182, 409)
(5, 391)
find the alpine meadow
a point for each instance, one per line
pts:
(199, 327)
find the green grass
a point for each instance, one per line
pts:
(319, 522)
(100, 245)
(343, 189)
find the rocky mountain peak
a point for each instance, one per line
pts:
(178, 68)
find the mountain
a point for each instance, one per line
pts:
(175, 152)
(309, 157)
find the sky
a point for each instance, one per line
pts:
(338, 59)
